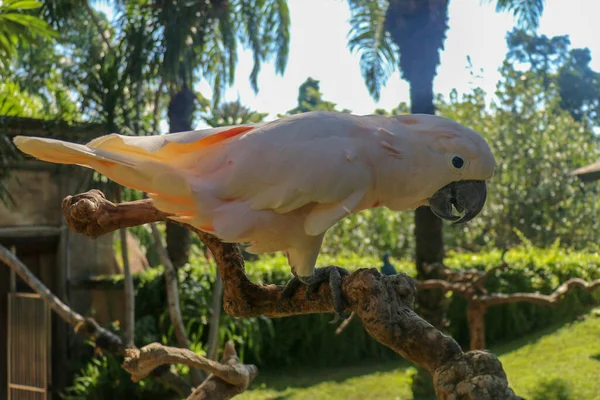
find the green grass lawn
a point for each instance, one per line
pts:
(560, 363)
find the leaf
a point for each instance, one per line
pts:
(368, 37)
(24, 5)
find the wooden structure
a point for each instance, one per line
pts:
(589, 173)
(34, 344)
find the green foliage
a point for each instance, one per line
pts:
(372, 232)
(531, 270)
(310, 98)
(20, 28)
(368, 36)
(579, 87)
(15, 102)
(527, 12)
(311, 340)
(402, 108)
(233, 113)
(104, 378)
(200, 39)
(411, 34)
(195, 291)
(536, 145)
(569, 69)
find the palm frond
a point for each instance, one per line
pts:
(17, 26)
(233, 113)
(527, 12)
(368, 36)
(264, 28)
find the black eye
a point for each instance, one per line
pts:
(457, 162)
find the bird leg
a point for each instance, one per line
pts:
(333, 275)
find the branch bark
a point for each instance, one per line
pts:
(129, 291)
(536, 298)
(228, 378)
(214, 323)
(87, 327)
(384, 303)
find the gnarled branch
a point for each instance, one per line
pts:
(470, 285)
(227, 379)
(537, 298)
(384, 303)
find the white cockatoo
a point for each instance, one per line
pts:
(280, 185)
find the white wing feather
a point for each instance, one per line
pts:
(318, 161)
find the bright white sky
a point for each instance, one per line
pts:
(318, 49)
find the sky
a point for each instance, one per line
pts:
(318, 49)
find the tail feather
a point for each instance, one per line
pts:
(54, 151)
(127, 165)
(152, 164)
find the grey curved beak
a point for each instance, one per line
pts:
(467, 197)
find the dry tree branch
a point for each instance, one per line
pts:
(128, 282)
(384, 303)
(170, 276)
(87, 327)
(536, 298)
(345, 323)
(227, 379)
(470, 285)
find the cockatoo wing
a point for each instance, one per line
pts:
(317, 160)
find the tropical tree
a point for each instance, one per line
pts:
(18, 27)
(568, 69)
(310, 98)
(233, 113)
(410, 34)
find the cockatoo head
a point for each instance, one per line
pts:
(462, 161)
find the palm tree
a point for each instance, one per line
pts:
(410, 34)
(233, 113)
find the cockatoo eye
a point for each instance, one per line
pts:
(457, 162)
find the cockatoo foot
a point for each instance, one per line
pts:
(332, 275)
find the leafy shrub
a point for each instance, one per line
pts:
(310, 340)
(531, 270)
(104, 378)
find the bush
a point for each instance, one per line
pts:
(310, 340)
(531, 270)
(104, 378)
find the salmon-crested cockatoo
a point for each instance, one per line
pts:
(280, 185)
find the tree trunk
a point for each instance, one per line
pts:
(180, 113)
(476, 317)
(129, 292)
(170, 274)
(214, 324)
(128, 284)
(429, 245)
